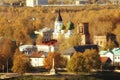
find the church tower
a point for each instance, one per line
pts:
(82, 29)
(58, 26)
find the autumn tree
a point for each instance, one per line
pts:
(58, 60)
(39, 39)
(76, 63)
(84, 62)
(7, 49)
(74, 40)
(92, 60)
(110, 45)
(21, 63)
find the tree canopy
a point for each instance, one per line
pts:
(84, 62)
(59, 61)
(21, 63)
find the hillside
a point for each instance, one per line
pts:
(17, 23)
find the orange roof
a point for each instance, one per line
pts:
(36, 55)
(104, 59)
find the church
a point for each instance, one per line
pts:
(59, 27)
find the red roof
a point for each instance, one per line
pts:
(104, 59)
(36, 55)
(51, 42)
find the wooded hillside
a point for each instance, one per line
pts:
(18, 23)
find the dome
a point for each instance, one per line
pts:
(62, 27)
(70, 25)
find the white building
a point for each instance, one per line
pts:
(28, 49)
(32, 3)
(37, 59)
(113, 54)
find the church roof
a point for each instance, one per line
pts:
(62, 27)
(70, 25)
(81, 49)
(58, 18)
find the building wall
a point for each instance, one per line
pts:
(82, 29)
(100, 40)
(117, 58)
(47, 36)
(45, 48)
(36, 62)
(32, 3)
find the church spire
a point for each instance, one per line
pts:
(59, 18)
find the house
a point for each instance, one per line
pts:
(37, 59)
(45, 33)
(32, 3)
(113, 54)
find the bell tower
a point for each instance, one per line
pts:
(57, 25)
(82, 29)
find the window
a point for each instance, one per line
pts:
(100, 42)
(35, 59)
(118, 57)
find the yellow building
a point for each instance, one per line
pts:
(100, 40)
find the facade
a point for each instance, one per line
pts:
(37, 59)
(45, 33)
(100, 40)
(113, 54)
(82, 29)
(32, 3)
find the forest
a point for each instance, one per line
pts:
(17, 24)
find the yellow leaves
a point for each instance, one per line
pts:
(58, 59)
(84, 61)
(21, 63)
